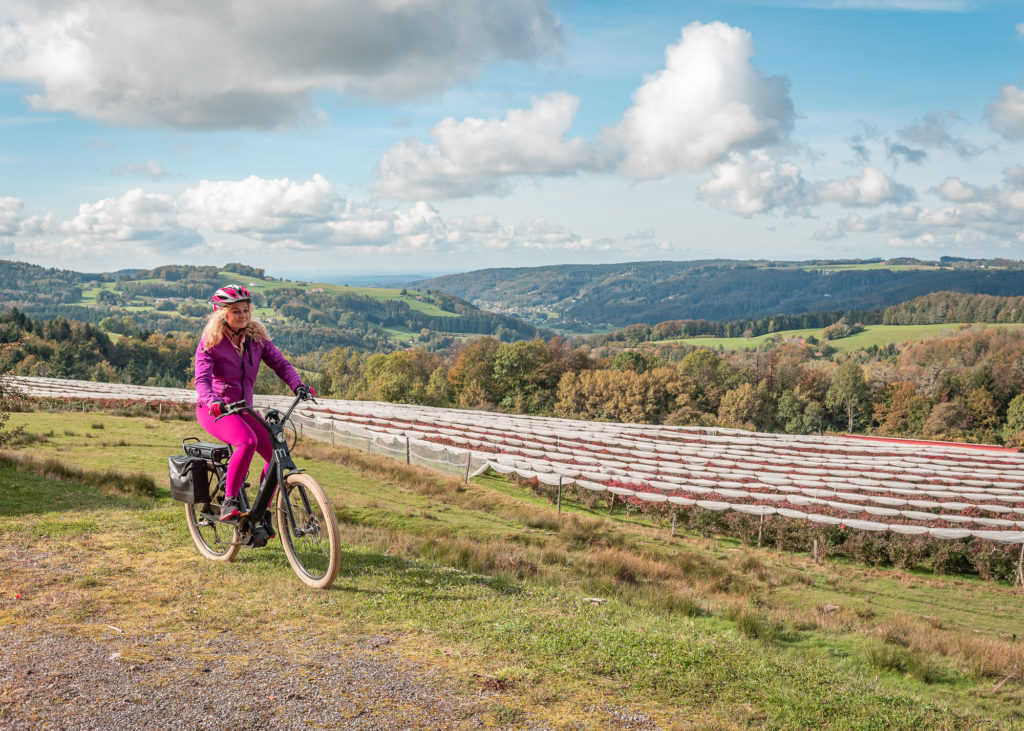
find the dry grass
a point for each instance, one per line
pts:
(107, 480)
(510, 542)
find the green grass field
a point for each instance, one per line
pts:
(569, 612)
(871, 335)
(870, 266)
(376, 293)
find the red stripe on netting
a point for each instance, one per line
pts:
(927, 443)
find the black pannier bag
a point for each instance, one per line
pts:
(190, 482)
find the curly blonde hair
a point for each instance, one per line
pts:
(213, 332)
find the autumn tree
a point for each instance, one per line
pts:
(471, 378)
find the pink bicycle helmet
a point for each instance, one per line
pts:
(230, 294)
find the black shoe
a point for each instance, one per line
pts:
(268, 525)
(229, 510)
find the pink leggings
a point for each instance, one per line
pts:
(246, 435)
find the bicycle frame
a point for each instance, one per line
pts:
(279, 468)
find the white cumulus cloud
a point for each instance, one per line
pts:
(1006, 114)
(199, 64)
(755, 182)
(12, 214)
(484, 156)
(707, 102)
(136, 216)
(258, 206)
(955, 190)
(870, 189)
(970, 216)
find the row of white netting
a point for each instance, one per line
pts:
(914, 488)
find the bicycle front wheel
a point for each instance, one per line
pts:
(215, 540)
(309, 530)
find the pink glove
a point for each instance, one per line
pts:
(216, 408)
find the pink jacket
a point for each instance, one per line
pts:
(224, 375)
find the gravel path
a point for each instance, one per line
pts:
(60, 682)
(66, 682)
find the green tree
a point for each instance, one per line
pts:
(1013, 431)
(341, 370)
(437, 388)
(849, 392)
(400, 377)
(633, 360)
(814, 418)
(521, 378)
(789, 414)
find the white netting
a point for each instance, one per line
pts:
(947, 491)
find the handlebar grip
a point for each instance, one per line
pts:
(234, 407)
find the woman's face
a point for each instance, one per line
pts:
(237, 315)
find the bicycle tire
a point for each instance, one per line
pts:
(216, 541)
(309, 530)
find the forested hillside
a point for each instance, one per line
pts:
(967, 387)
(303, 317)
(585, 297)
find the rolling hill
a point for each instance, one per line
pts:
(303, 316)
(584, 298)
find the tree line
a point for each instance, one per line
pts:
(966, 387)
(961, 388)
(62, 348)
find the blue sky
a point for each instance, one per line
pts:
(449, 135)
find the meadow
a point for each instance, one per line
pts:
(380, 294)
(564, 614)
(872, 335)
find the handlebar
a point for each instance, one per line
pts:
(238, 407)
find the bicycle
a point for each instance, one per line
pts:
(305, 519)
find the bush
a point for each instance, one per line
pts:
(952, 557)
(908, 551)
(994, 561)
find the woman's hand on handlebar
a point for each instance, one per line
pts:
(304, 392)
(218, 409)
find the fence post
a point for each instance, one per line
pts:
(1020, 566)
(332, 432)
(673, 534)
(559, 494)
(760, 531)
(469, 461)
(816, 550)
(611, 502)
(408, 457)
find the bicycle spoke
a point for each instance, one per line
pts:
(214, 539)
(309, 531)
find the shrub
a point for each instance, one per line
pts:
(952, 557)
(994, 561)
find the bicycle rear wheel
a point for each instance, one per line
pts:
(215, 540)
(309, 530)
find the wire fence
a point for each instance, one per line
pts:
(945, 491)
(454, 461)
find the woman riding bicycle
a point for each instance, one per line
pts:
(230, 351)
